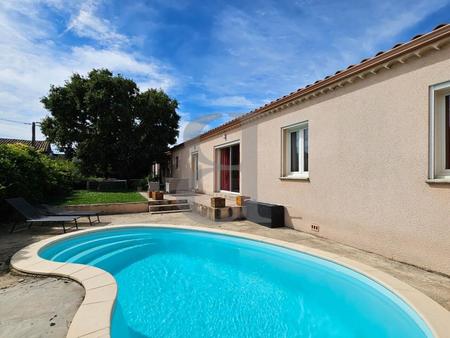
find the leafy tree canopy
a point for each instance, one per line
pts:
(108, 125)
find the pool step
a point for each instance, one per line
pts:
(113, 253)
(85, 246)
(89, 254)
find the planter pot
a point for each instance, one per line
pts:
(240, 200)
(218, 202)
(157, 195)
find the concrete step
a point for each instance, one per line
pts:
(169, 211)
(168, 207)
(165, 202)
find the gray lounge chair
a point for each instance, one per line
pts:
(55, 212)
(33, 215)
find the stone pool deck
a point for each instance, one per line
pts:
(36, 306)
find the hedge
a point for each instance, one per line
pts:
(28, 173)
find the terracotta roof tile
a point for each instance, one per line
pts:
(43, 146)
(439, 26)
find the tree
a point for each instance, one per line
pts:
(108, 125)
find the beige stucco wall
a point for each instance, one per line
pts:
(368, 165)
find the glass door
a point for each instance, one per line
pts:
(229, 162)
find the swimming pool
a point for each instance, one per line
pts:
(185, 283)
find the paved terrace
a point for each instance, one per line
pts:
(44, 306)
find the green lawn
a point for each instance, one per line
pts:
(93, 197)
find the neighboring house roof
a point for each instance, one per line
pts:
(399, 53)
(43, 146)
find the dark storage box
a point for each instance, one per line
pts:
(218, 202)
(269, 215)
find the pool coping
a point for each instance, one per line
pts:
(93, 318)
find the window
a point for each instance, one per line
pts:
(295, 154)
(176, 162)
(440, 131)
(229, 168)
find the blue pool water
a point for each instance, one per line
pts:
(183, 283)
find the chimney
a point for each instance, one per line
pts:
(33, 134)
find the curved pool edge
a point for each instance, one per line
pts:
(93, 318)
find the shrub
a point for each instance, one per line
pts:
(112, 185)
(137, 184)
(28, 173)
(92, 183)
(144, 184)
(62, 175)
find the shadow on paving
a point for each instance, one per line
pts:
(33, 306)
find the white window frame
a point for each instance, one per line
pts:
(437, 140)
(286, 152)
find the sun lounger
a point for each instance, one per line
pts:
(55, 212)
(33, 215)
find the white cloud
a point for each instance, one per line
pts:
(146, 74)
(274, 49)
(401, 16)
(87, 24)
(233, 101)
(31, 60)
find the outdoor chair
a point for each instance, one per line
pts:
(56, 212)
(33, 215)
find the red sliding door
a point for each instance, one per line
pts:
(225, 169)
(229, 168)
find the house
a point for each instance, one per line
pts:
(362, 155)
(42, 146)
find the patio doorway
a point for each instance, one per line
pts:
(229, 168)
(194, 171)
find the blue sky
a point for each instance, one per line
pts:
(219, 59)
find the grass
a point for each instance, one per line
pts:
(94, 197)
